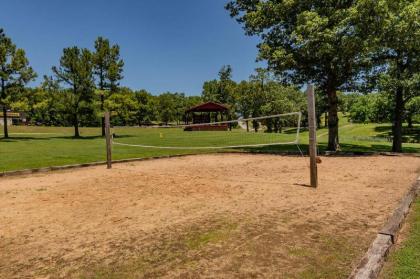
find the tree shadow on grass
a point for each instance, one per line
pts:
(290, 149)
(347, 147)
(413, 132)
(20, 138)
(16, 139)
(355, 149)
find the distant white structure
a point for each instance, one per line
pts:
(13, 118)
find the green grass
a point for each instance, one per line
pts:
(178, 251)
(200, 239)
(35, 147)
(404, 263)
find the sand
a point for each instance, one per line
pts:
(257, 208)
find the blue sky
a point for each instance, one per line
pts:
(167, 45)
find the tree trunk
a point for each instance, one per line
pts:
(326, 119)
(3, 96)
(6, 130)
(332, 120)
(255, 125)
(103, 117)
(410, 121)
(318, 120)
(397, 123)
(76, 126)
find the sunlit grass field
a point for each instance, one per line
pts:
(34, 147)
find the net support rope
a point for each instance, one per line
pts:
(294, 142)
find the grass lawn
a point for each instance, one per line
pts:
(34, 147)
(404, 262)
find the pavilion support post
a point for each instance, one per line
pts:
(312, 135)
(108, 140)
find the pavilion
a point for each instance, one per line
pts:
(209, 112)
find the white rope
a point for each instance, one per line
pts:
(203, 147)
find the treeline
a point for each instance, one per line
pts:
(261, 95)
(86, 82)
(49, 106)
(53, 105)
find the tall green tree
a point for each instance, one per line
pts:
(14, 72)
(145, 107)
(108, 69)
(221, 90)
(41, 104)
(167, 107)
(261, 77)
(306, 41)
(76, 72)
(226, 85)
(245, 99)
(374, 107)
(396, 29)
(413, 111)
(123, 103)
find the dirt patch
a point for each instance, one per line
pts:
(208, 215)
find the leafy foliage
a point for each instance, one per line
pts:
(15, 72)
(393, 28)
(75, 71)
(307, 41)
(373, 107)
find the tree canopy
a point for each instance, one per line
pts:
(15, 72)
(75, 71)
(108, 69)
(307, 41)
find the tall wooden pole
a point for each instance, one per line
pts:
(108, 140)
(312, 135)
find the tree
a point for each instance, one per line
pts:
(394, 29)
(49, 105)
(226, 85)
(374, 107)
(222, 90)
(41, 104)
(245, 101)
(14, 72)
(413, 111)
(282, 99)
(108, 68)
(400, 37)
(145, 107)
(123, 103)
(261, 77)
(167, 107)
(306, 41)
(75, 71)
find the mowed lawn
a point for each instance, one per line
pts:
(35, 147)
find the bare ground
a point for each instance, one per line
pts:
(230, 215)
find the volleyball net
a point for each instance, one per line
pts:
(279, 129)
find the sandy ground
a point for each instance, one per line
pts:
(230, 215)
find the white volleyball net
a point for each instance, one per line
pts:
(279, 129)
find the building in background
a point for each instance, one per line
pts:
(13, 118)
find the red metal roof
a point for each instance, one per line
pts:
(209, 107)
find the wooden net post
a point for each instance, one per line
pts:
(108, 140)
(312, 135)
